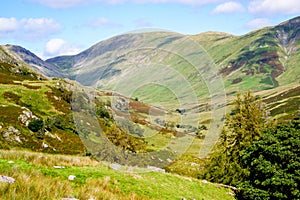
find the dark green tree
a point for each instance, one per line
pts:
(242, 126)
(274, 165)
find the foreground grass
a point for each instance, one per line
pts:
(36, 178)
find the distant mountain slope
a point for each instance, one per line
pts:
(31, 59)
(99, 57)
(259, 60)
(269, 56)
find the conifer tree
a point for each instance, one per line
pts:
(242, 126)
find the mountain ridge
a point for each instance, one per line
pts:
(224, 48)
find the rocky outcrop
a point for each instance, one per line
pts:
(26, 117)
(12, 135)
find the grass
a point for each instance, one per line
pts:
(37, 179)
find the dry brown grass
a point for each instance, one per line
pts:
(49, 160)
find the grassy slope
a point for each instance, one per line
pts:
(22, 90)
(37, 179)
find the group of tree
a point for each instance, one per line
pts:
(259, 158)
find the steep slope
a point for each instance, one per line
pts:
(37, 112)
(69, 65)
(31, 108)
(259, 60)
(34, 61)
(60, 116)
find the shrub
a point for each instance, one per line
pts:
(36, 125)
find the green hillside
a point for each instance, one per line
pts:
(36, 112)
(37, 178)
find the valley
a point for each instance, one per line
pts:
(138, 100)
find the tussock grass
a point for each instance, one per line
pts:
(37, 179)
(35, 185)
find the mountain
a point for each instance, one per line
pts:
(263, 59)
(34, 61)
(270, 54)
(149, 67)
(35, 111)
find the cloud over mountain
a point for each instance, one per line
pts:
(57, 46)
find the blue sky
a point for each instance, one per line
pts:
(50, 28)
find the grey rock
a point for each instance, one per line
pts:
(6, 179)
(115, 166)
(155, 169)
(71, 177)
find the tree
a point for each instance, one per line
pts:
(242, 126)
(274, 165)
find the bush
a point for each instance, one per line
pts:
(102, 112)
(36, 125)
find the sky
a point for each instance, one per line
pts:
(51, 28)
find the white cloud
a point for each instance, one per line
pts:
(103, 22)
(53, 46)
(259, 23)
(228, 7)
(269, 7)
(8, 24)
(39, 27)
(58, 4)
(33, 24)
(58, 47)
(29, 28)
